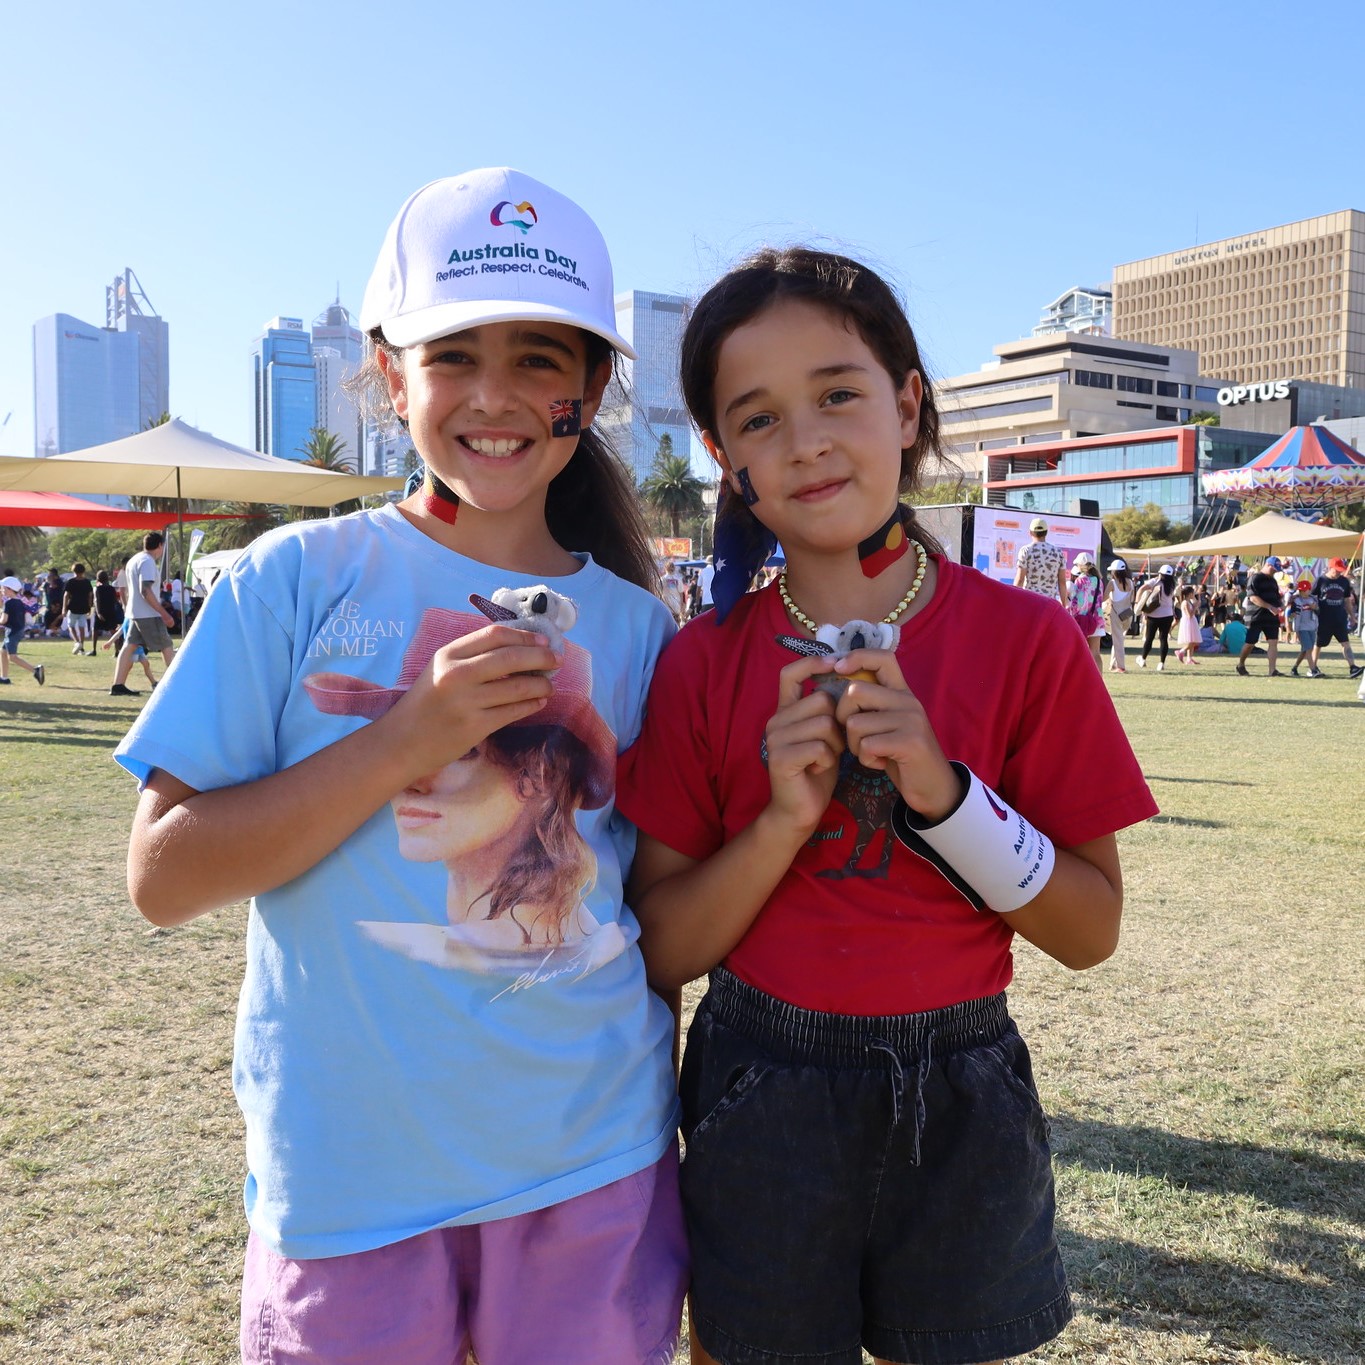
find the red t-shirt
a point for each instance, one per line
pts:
(859, 924)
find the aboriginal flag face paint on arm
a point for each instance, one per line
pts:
(884, 547)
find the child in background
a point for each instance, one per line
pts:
(446, 1152)
(867, 1161)
(1083, 602)
(1189, 636)
(15, 623)
(1302, 611)
(139, 654)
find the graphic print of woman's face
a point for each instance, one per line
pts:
(471, 806)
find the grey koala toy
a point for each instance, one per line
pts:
(540, 609)
(837, 642)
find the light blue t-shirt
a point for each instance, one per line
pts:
(433, 1029)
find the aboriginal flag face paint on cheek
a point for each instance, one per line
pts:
(884, 547)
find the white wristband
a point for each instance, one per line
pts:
(986, 849)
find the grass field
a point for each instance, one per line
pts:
(1207, 1085)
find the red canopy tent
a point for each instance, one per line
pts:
(60, 509)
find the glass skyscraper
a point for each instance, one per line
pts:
(96, 384)
(338, 350)
(648, 404)
(285, 381)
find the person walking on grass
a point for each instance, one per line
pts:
(16, 622)
(77, 601)
(1156, 602)
(151, 621)
(1189, 636)
(1261, 612)
(1041, 567)
(1118, 601)
(1301, 613)
(1337, 604)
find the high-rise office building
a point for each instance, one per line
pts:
(649, 405)
(96, 384)
(1287, 303)
(127, 309)
(285, 380)
(1078, 312)
(338, 352)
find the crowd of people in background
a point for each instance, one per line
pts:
(103, 612)
(1210, 608)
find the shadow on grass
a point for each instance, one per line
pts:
(1149, 1288)
(1304, 1182)
(1242, 701)
(1191, 820)
(1209, 781)
(1303, 1314)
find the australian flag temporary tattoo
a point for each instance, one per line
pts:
(746, 489)
(566, 417)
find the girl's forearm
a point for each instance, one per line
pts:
(690, 920)
(194, 851)
(1075, 918)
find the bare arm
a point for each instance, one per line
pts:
(1075, 917)
(194, 851)
(149, 596)
(1063, 593)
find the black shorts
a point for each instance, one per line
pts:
(1263, 623)
(1333, 626)
(878, 1182)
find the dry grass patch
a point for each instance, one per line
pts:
(1205, 1085)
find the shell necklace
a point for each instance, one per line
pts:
(897, 611)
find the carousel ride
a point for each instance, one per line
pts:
(1304, 474)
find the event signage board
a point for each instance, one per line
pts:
(999, 533)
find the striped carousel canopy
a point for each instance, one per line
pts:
(1307, 467)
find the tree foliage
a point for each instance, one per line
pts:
(95, 549)
(1136, 528)
(671, 489)
(22, 548)
(1206, 419)
(324, 450)
(946, 491)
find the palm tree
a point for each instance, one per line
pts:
(256, 518)
(325, 450)
(19, 543)
(671, 488)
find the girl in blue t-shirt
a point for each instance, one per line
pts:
(458, 1089)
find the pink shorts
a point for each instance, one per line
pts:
(596, 1280)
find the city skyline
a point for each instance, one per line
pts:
(927, 166)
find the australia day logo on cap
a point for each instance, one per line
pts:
(490, 246)
(507, 214)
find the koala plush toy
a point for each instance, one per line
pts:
(837, 642)
(540, 609)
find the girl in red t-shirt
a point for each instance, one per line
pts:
(867, 1162)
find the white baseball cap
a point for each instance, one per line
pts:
(490, 246)
(1037, 524)
(12, 583)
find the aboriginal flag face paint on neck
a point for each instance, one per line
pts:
(438, 501)
(884, 547)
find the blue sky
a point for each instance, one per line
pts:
(244, 160)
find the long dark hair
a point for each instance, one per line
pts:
(591, 504)
(853, 293)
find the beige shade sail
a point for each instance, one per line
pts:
(176, 460)
(1271, 534)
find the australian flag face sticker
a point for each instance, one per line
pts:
(566, 417)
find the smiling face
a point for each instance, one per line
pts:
(478, 406)
(472, 808)
(804, 405)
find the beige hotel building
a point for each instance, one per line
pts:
(1286, 303)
